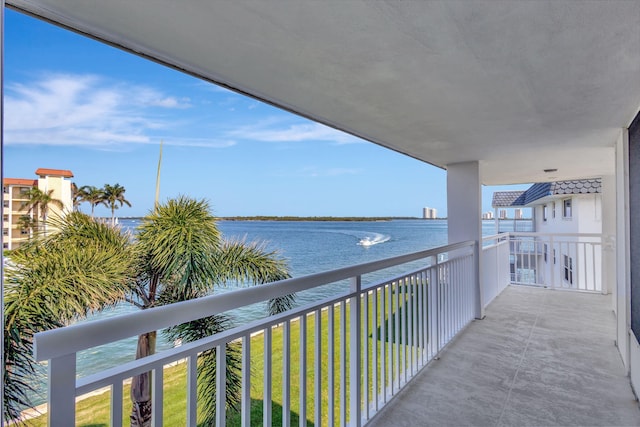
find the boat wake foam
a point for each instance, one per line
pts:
(373, 239)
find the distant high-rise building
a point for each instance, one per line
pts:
(518, 213)
(487, 215)
(429, 213)
(503, 214)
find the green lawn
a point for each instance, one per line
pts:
(94, 411)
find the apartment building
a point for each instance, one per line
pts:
(15, 201)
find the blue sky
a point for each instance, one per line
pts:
(73, 103)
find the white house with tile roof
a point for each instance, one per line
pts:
(564, 209)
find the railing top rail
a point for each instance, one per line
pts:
(536, 234)
(71, 339)
(496, 236)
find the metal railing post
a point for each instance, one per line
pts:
(62, 391)
(479, 298)
(355, 367)
(552, 263)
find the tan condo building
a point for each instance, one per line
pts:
(15, 199)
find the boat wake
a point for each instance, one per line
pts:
(374, 239)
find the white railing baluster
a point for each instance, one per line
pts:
(62, 391)
(552, 262)
(383, 343)
(116, 404)
(402, 311)
(245, 405)
(375, 336)
(343, 362)
(424, 324)
(355, 350)
(417, 321)
(440, 308)
(221, 385)
(396, 339)
(365, 353)
(266, 408)
(192, 390)
(157, 397)
(286, 374)
(302, 410)
(331, 372)
(317, 377)
(391, 336)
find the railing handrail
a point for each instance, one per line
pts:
(135, 367)
(495, 236)
(536, 234)
(72, 339)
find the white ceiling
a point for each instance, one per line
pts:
(519, 85)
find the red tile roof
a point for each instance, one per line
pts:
(20, 181)
(54, 172)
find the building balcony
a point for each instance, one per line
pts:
(539, 358)
(420, 356)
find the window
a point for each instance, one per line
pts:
(544, 212)
(566, 208)
(5, 190)
(568, 269)
(24, 232)
(5, 246)
(5, 217)
(5, 203)
(554, 256)
(5, 231)
(546, 251)
(553, 210)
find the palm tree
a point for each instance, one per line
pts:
(41, 200)
(181, 255)
(53, 280)
(76, 196)
(93, 195)
(178, 254)
(114, 195)
(27, 223)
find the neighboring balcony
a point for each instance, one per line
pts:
(535, 349)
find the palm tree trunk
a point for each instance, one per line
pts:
(113, 216)
(141, 384)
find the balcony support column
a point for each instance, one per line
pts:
(464, 212)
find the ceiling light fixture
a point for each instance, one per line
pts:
(550, 170)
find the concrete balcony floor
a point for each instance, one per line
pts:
(539, 358)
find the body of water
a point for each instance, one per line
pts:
(309, 247)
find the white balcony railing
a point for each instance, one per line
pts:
(571, 261)
(495, 266)
(374, 339)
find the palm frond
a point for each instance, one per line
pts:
(53, 280)
(179, 241)
(243, 262)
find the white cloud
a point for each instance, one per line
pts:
(274, 130)
(199, 142)
(83, 110)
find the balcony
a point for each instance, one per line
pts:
(537, 356)
(532, 361)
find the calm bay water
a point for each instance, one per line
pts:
(309, 247)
